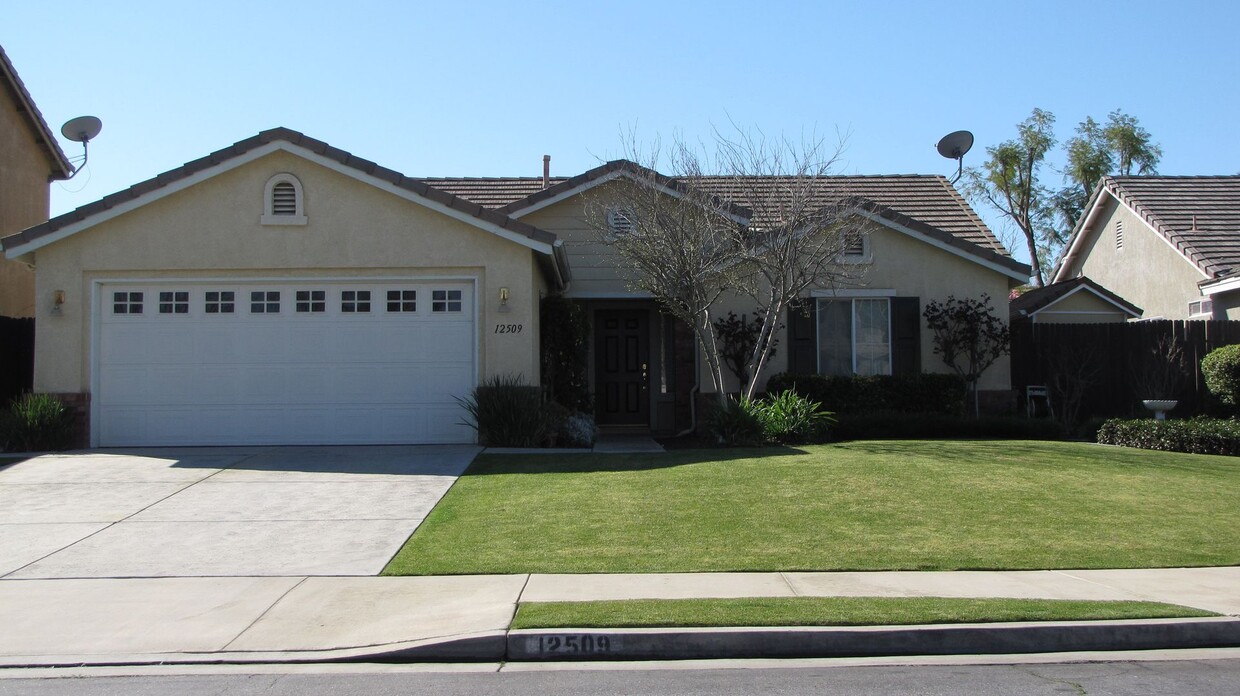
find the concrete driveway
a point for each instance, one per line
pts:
(245, 511)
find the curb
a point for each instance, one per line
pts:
(560, 645)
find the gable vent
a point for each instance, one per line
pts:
(284, 199)
(854, 243)
(620, 221)
(1119, 235)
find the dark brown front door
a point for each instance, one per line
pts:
(622, 366)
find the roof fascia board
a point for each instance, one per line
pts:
(1078, 234)
(246, 158)
(608, 177)
(1220, 286)
(955, 251)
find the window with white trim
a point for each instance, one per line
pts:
(174, 302)
(126, 303)
(402, 301)
(220, 302)
(311, 301)
(265, 302)
(854, 336)
(283, 201)
(1201, 308)
(445, 300)
(355, 301)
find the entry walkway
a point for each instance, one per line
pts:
(112, 621)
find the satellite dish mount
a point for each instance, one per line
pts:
(954, 146)
(82, 129)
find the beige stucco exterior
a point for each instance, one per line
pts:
(897, 261)
(212, 230)
(24, 200)
(1146, 271)
(1080, 307)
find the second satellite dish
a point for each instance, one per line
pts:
(82, 129)
(955, 145)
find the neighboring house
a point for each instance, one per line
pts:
(30, 159)
(283, 291)
(1075, 301)
(1170, 244)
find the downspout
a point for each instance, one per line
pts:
(697, 386)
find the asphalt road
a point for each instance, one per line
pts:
(1196, 677)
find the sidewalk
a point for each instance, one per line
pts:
(297, 619)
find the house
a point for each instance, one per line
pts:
(1170, 244)
(284, 291)
(1074, 301)
(30, 159)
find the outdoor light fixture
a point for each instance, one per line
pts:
(58, 301)
(503, 299)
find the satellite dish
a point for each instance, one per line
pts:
(955, 145)
(81, 129)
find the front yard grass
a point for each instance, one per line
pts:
(830, 611)
(875, 505)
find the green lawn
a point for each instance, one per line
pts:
(830, 611)
(877, 505)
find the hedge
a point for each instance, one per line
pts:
(1195, 436)
(931, 426)
(921, 393)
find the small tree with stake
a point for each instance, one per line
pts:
(968, 336)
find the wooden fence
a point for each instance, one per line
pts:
(1107, 369)
(16, 357)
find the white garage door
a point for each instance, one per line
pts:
(304, 363)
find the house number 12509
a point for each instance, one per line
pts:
(508, 328)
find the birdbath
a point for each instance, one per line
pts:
(1160, 407)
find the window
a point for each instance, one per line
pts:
(311, 301)
(854, 337)
(445, 300)
(619, 221)
(1119, 235)
(220, 302)
(174, 303)
(355, 301)
(283, 201)
(402, 301)
(1201, 308)
(126, 303)
(265, 302)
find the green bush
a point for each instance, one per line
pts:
(921, 393)
(506, 412)
(737, 423)
(1195, 436)
(1222, 372)
(930, 426)
(793, 419)
(36, 423)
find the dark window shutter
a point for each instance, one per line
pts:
(905, 335)
(802, 338)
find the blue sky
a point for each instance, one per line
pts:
(486, 88)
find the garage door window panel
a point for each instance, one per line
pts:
(175, 302)
(220, 302)
(126, 303)
(402, 301)
(445, 301)
(265, 302)
(355, 301)
(311, 301)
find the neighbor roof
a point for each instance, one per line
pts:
(1037, 299)
(61, 169)
(1198, 215)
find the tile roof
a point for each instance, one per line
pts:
(61, 169)
(1198, 215)
(295, 138)
(1040, 298)
(927, 198)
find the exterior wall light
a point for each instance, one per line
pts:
(58, 301)
(503, 299)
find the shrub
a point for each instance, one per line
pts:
(930, 426)
(920, 393)
(791, 419)
(1195, 436)
(36, 423)
(506, 412)
(1222, 372)
(565, 340)
(579, 430)
(737, 423)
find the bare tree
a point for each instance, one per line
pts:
(755, 216)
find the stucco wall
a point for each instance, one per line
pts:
(212, 229)
(1081, 307)
(1147, 271)
(24, 202)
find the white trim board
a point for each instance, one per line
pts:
(853, 292)
(1074, 291)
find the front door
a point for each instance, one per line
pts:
(622, 366)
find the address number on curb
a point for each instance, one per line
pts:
(570, 644)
